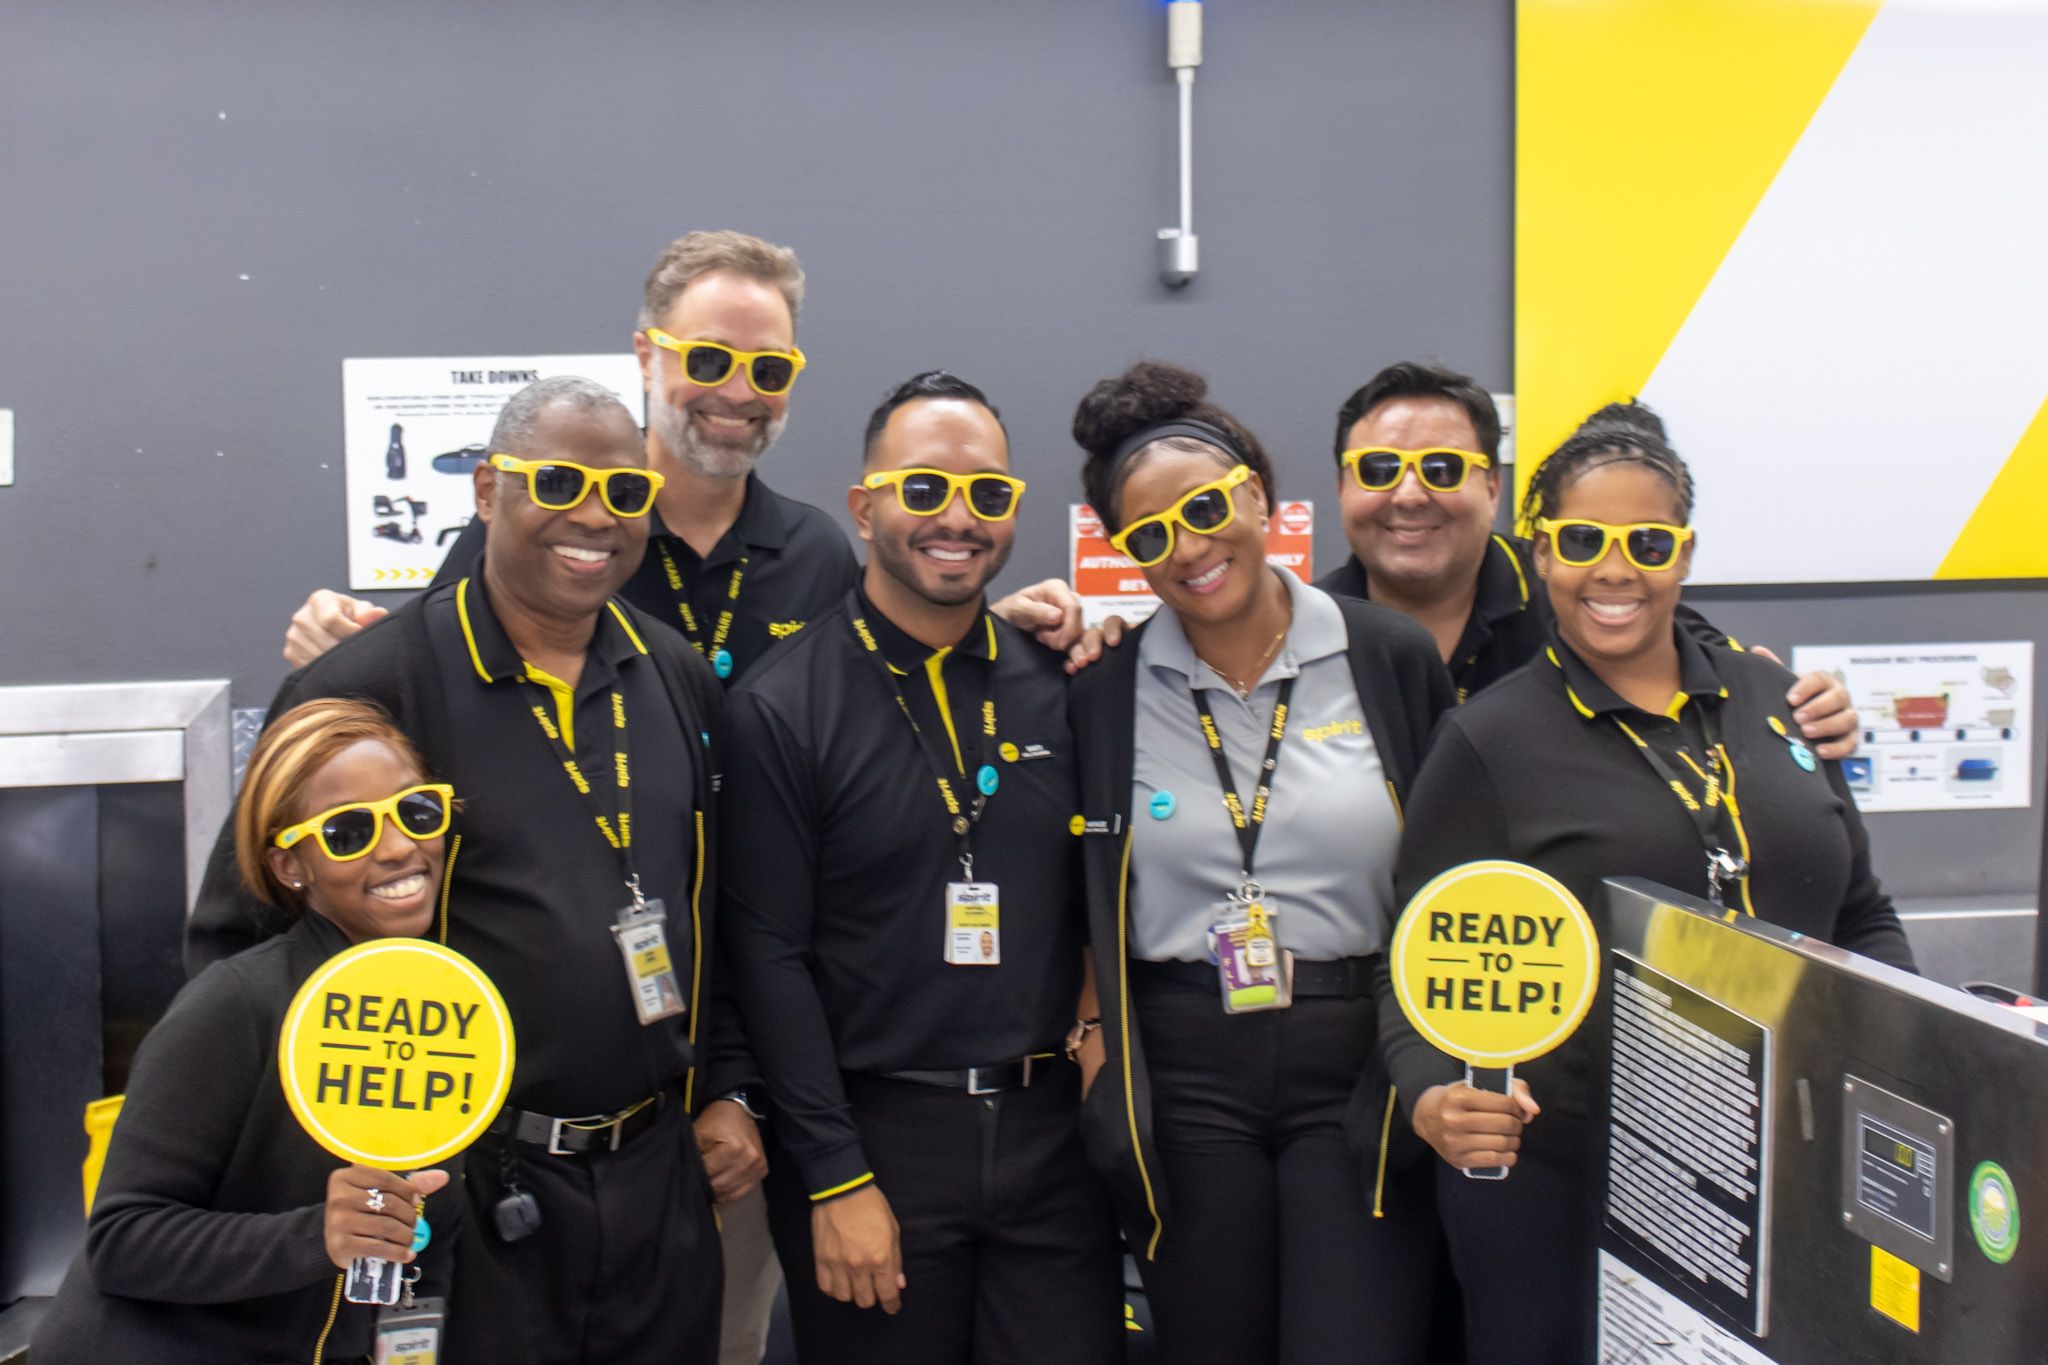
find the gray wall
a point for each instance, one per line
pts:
(969, 185)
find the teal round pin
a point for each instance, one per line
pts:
(421, 1234)
(721, 663)
(987, 780)
(1161, 805)
(1803, 756)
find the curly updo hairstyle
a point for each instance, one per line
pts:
(1619, 433)
(1148, 393)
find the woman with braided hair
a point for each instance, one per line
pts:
(1573, 765)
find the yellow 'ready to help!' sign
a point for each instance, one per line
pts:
(396, 1053)
(1495, 963)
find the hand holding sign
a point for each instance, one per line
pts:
(395, 1054)
(1495, 963)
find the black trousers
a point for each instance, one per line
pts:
(1009, 1244)
(625, 1268)
(1524, 1247)
(1272, 1252)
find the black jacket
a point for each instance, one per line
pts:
(206, 1241)
(1402, 689)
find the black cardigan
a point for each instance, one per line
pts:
(206, 1241)
(1402, 689)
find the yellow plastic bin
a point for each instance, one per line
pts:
(99, 1128)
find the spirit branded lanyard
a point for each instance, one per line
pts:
(1247, 823)
(614, 820)
(962, 818)
(1707, 809)
(714, 650)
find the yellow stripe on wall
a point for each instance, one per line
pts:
(1646, 133)
(2002, 538)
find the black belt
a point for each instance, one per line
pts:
(1344, 977)
(574, 1137)
(982, 1080)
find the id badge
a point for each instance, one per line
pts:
(411, 1336)
(974, 932)
(1253, 971)
(372, 1279)
(642, 935)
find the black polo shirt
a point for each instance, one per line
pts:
(838, 849)
(789, 562)
(536, 887)
(1538, 769)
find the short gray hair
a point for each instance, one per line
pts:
(523, 409)
(697, 254)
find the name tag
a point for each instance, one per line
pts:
(1252, 971)
(642, 935)
(411, 1336)
(973, 925)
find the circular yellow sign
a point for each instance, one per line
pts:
(1495, 962)
(396, 1053)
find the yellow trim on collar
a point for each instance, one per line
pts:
(468, 632)
(626, 626)
(1513, 559)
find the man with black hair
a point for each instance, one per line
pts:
(1418, 484)
(906, 933)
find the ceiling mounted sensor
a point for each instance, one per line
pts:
(1178, 246)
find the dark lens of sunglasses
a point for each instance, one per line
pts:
(992, 497)
(557, 485)
(1580, 544)
(772, 373)
(1442, 469)
(1206, 511)
(1148, 543)
(707, 364)
(348, 832)
(630, 493)
(924, 492)
(420, 813)
(1379, 470)
(1652, 546)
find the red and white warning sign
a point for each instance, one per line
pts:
(1110, 585)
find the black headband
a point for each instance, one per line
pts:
(1179, 426)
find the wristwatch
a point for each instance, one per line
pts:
(1078, 1034)
(746, 1102)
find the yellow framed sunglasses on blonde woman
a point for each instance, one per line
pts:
(350, 832)
(1442, 469)
(1205, 510)
(559, 485)
(1651, 546)
(707, 364)
(928, 492)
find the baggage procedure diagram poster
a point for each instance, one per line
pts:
(415, 430)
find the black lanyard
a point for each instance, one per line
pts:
(962, 818)
(1247, 823)
(1706, 809)
(615, 823)
(692, 629)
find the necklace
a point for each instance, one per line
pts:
(1243, 687)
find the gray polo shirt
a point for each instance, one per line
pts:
(1326, 857)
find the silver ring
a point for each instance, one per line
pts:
(376, 1201)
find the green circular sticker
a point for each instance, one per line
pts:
(1994, 1211)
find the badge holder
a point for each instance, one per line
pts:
(1253, 972)
(974, 930)
(374, 1280)
(1499, 1081)
(642, 935)
(412, 1334)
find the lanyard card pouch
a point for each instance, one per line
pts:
(1253, 971)
(974, 931)
(411, 1335)
(642, 934)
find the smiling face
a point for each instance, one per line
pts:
(389, 891)
(947, 559)
(1612, 611)
(562, 565)
(720, 431)
(1419, 543)
(1210, 578)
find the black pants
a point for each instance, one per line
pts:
(626, 1266)
(1524, 1247)
(1009, 1245)
(1272, 1252)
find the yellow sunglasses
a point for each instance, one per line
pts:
(1204, 510)
(559, 485)
(1442, 469)
(928, 492)
(708, 364)
(350, 832)
(1651, 546)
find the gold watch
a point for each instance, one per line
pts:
(1078, 1034)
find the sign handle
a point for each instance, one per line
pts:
(1499, 1082)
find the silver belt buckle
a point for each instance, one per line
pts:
(974, 1085)
(556, 1127)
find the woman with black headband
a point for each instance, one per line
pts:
(1626, 749)
(1244, 759)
